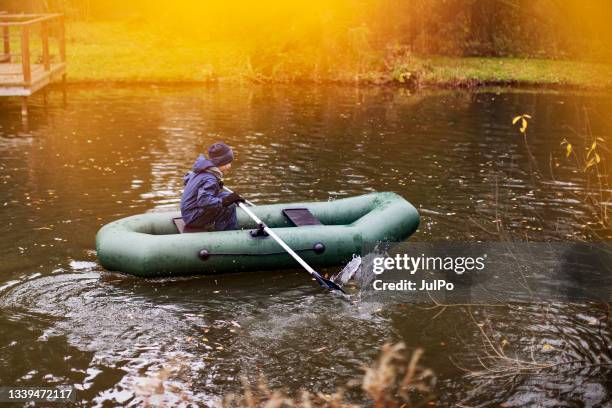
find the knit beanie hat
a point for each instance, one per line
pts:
(220, 154)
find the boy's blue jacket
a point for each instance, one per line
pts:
(202, 196)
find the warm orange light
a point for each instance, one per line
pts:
(439, 26)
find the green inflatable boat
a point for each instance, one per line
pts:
(322, 233)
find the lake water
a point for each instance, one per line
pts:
(112, 152)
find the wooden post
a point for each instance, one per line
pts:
(62, 39)
(25, 55)
(7, 44)
(45, 45)
(62, 50)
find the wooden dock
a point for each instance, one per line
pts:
(12, 82)
(33, 66)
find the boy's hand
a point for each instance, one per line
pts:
(231, 198)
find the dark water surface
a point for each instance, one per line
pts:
(110, 153)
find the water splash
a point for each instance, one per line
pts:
(359, 270)
(348, 271)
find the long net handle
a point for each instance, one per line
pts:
(278, 240)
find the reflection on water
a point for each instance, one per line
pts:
(116, 152)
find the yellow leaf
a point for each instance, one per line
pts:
(568, 150)
(589, 164)
(523, 126)
(547, 347)
(516, 119)
(590, 150)
(597, 158)
(527, 116)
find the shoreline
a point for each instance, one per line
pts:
(459, 85)
(98, 53)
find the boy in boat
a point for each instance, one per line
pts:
(204, 203)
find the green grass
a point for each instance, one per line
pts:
(132, 53)
(516, 70)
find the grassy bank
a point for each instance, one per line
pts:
(134, 52)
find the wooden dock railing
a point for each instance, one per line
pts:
(28, 76)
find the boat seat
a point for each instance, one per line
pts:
(180, 224)
(301, 217)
